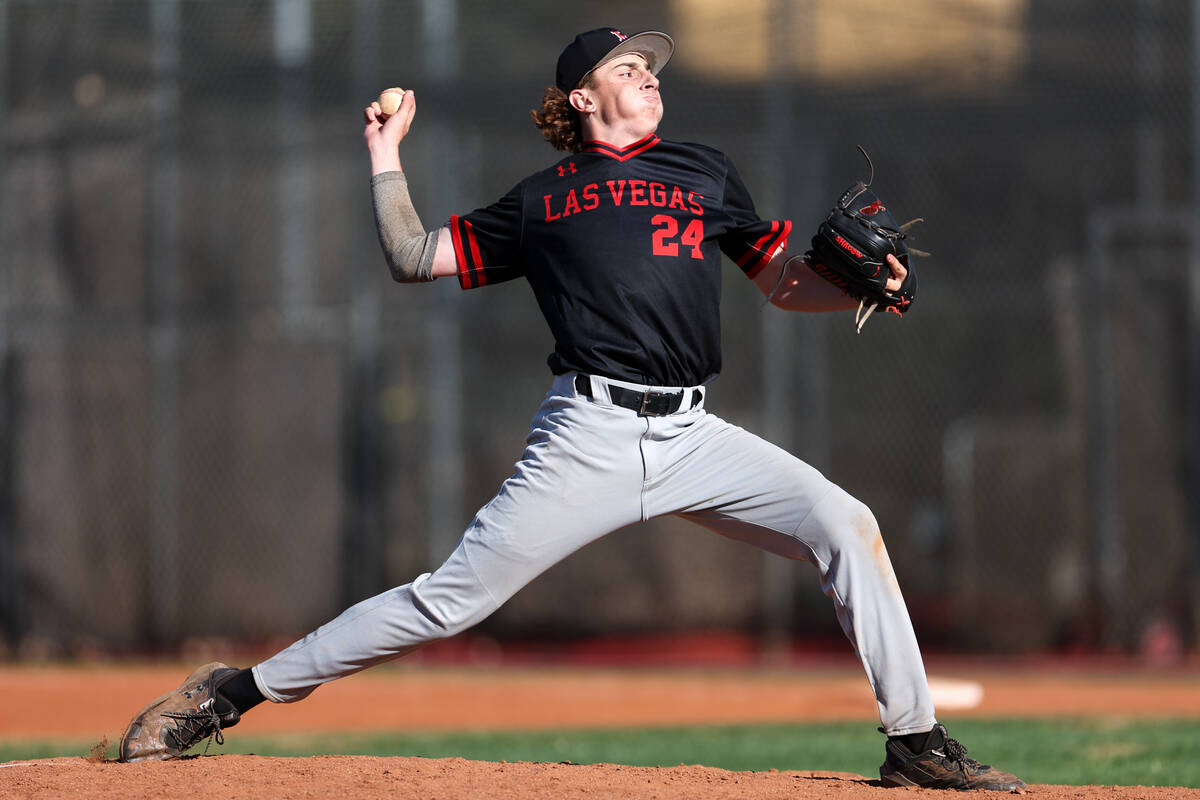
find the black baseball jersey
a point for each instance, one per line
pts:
(623, 250)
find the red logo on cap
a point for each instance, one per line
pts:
(620, 36)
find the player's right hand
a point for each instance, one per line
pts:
(393, 131)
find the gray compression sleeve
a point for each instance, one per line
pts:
(408, 248)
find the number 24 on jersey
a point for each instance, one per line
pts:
(667, 237)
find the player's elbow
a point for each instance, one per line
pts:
(410, 259)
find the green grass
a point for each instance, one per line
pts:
(1062, 751)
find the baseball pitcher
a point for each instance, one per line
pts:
(622, 241)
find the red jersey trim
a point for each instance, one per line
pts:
(762, 251)
(470, 263)
(621, 153)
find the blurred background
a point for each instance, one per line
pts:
(220, 418)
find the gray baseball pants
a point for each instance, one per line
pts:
(589, 468)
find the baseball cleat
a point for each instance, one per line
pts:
(945, 766)
(180, 719)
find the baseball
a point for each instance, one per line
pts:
(389, 103)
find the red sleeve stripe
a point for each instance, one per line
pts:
(470, 268)
(480, 273)
(755, 251)
(761, 252)
(463, 277)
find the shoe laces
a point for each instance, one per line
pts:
(192, 726)
(956, 751)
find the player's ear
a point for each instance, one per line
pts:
(581, 100)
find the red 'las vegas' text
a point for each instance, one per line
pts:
(669, 233)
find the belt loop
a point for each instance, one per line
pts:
(600, 393)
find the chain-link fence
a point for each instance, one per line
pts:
(219, 417)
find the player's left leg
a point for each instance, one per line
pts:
(745, 488)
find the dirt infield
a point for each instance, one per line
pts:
(95, 702)
(232, 776)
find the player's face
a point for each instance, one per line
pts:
(625, 94)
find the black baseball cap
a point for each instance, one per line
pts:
(594, 47)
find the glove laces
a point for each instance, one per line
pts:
(860, 317)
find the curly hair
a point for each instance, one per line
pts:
(558, 121)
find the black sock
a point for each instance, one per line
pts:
(241, 691)
(920, 742)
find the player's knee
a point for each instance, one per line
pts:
(449, 612)
(846, 521)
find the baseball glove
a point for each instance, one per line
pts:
(851, 246)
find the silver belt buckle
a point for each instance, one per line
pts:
(681, 396)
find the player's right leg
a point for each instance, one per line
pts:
(579, 478)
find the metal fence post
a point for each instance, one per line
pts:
(363, 571)
(294, 177)
(164, 322)
(443, 328)
(1194, 330)
(10, 572)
